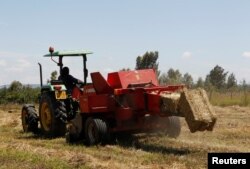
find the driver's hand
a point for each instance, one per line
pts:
(81, 84)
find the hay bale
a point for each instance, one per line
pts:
(198, 112)
(169, 102)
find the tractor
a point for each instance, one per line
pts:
(125, 102)
(56, 104)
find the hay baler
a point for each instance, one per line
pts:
(125, 102)
(128, 101)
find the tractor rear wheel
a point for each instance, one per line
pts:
(96, 131)
(29, 118)
(51, 112)
(173, 128)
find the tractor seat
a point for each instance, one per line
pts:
(100, 84)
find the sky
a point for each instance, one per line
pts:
(190, 35)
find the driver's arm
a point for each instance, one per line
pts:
(74, 80)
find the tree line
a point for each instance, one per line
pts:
(216, 80)
(19, 93)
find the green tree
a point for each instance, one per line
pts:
(231, 81)
(15, 86)
(244, 87)
(171, 77)
(18, 93)
(200, 83)
(217, 77)
(3, 94)
(53, 75)
(231, 84)
(125, 69)
(188, 80)
(209, 86)
(148, 61)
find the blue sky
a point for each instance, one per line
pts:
(190, 35)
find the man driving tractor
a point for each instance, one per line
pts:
(68, 79)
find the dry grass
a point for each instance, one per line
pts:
(228, 99)
(20, 150)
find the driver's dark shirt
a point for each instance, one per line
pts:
(69, 82)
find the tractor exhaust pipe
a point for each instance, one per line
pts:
(41, 74)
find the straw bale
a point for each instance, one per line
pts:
(169, 102)
(198, 112)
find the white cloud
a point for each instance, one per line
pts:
(11, 54)
(246, 54)
(19, 66)
(23, 63)
(187, 55)
(3, 63)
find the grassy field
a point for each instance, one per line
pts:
(228, 99)
(24, 151)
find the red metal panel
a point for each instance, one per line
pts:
(153, 103)
(123, 78)
(76, 93)
(84, 103)
(96, 103)
(136, 101)
(123, 114)
(100, 84)
(114, 80)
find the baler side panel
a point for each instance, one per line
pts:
(153, 103)
(100, 84)
(97, 103)
(124, 78)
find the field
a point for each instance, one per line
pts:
(230, 98)
(20, 150)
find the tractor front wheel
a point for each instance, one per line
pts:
(96, 131)
(49, 111)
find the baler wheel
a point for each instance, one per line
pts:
(29, 118)
(173, 129)
(49, 110)
(96, 131)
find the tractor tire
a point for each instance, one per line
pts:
(173, 128)
(52, 116)
(96, 131)
(29, 119)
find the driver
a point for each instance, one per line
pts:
(68, 79)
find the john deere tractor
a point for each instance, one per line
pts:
(56, 104)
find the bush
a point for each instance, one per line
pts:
(18, 93)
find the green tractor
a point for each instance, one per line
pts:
(56, 104)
